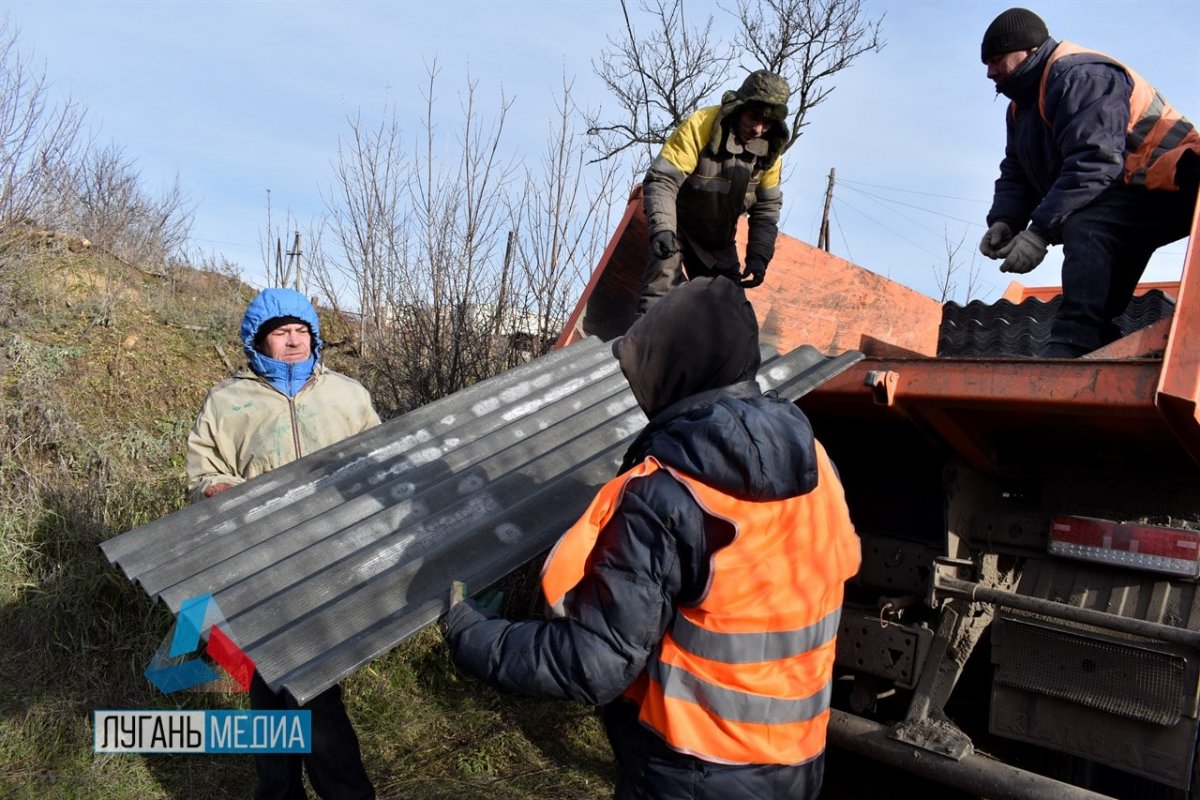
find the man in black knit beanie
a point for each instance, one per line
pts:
(1097, 161)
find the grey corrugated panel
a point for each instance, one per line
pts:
(1005, 329)
(326, 563)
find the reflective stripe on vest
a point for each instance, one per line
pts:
(745, 648)
(735, 706)
(743, 676)
(1157, 134)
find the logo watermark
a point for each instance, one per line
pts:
(217, 731)
(182, 663)
(175, 668)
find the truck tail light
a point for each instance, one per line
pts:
(1174, 551)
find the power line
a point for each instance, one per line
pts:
(840, 200)
(899, 214)
(910, 205)
(845, 241)
(914, 191)
(218, 241)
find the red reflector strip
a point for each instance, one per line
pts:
(1175, 551)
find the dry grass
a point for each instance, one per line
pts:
(102, 369)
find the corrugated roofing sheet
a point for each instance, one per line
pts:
(1006, 329)
(331, 561)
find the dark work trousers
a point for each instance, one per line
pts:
(649, 770)
(663, 273)
(1106, 245)
(334, 766)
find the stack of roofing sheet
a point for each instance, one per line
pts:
(1005, 329)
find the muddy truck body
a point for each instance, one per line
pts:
(1025, 623)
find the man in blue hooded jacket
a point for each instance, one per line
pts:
(284, 404)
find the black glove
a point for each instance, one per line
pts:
(663, 245)
(755, 272)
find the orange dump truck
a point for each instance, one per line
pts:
(1026, 622)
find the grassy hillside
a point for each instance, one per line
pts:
(102, 369)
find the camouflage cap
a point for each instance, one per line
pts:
(769, 92)
(765, 89)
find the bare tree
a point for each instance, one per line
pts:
(946, 277)
(973, 277)
(39, 139)
(561, 219)
(661, 77)
(53, 178)
(657, 79)
(808, 42)
(109, 205)
(420, 243)
(453, 288)
(365, 218)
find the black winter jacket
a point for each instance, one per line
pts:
(1048, 172)
(653, 554)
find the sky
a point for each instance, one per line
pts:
(238, 98)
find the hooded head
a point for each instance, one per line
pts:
(766, 92)
(264, 330)
(1015, 29)
(702, 335)
(270, 309)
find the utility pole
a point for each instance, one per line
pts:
(267, 244)
(823, 234)
(294, 253)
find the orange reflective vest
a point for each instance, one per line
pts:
(1157, 134)
(744, 675)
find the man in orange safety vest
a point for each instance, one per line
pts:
(701, 591)
(1097, 161)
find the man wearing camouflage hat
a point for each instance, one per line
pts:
(721, 162)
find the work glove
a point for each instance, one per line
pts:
(754, 273)
(996, 238)
(465, 612)
(490, 601)
(663, 245)
(1023, 253)
(217, 488)
(458, 593)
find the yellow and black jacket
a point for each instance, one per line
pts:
(704, 180)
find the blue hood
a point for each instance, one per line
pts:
(268, 305)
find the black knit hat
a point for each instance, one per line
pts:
(272, 324)
(1015, 29)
